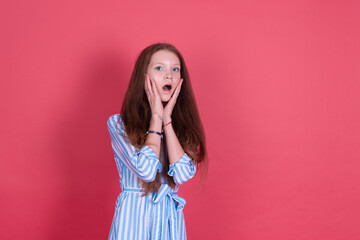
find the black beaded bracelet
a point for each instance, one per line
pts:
(158, 133)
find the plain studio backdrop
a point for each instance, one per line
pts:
(277, 86)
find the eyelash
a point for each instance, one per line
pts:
(158, 68)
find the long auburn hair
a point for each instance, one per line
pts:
(136, 115)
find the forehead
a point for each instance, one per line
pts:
(164, 56)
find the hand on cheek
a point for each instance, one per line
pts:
(153, 96)
(171, 103)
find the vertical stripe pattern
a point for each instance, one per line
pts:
(156, 215)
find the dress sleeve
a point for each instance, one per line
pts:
(144, 163)
(183, 170)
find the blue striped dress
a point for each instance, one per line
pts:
(156, 215)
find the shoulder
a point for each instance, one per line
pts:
(115, 121)
(114, 117)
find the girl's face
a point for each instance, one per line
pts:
(164, 69)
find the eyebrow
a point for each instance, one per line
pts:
(165, 64)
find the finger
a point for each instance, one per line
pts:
(175, 95)
(156, 93)
(178, 88)
(149, 87)
(147, 93)
(145, 85)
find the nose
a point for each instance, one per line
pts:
(168, 76)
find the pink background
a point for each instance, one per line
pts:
(277, 85)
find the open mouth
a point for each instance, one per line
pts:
(167, 87)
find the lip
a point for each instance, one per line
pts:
(167, 91)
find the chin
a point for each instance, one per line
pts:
(165, 100)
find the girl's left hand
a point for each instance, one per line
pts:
(171, 103)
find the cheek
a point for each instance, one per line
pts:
(158, 83)
(177, 79)
(155, 75)
(177, 76)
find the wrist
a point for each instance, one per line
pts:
(155, 123)
(157, 117)
(167, 123)
(166, 120)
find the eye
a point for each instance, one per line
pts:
(159, 68)
(176, 69)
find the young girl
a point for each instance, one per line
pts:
(158, 140)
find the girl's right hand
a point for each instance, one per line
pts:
(153, 96)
